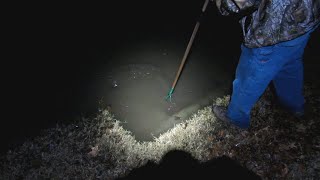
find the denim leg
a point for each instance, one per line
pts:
(256, 69)
(289, 86)
(288, 82)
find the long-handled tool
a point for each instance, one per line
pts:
(195, 30)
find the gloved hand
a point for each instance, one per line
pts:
(227, 7)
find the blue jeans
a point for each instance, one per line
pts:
(280, 63)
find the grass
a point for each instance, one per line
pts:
(277, 145)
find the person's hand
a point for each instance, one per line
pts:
(228, 7)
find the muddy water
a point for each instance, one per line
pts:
(135, 83)
(136, 64)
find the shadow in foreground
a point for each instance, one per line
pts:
(178, 164)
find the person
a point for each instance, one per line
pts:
(275, 33)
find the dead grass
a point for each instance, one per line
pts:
(277, 145)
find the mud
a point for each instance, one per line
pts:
(136, 81)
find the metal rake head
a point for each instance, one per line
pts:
(169, 96)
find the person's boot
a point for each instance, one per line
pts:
(221, 113)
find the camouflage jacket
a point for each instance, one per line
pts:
(272, 21)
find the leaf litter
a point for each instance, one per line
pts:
(276, 146)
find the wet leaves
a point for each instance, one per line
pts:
(276, 146)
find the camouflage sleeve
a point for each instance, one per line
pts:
(227, 7)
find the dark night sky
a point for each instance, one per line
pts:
(49, 66)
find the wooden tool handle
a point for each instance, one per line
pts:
(205, 5)
(186, 54)
(195, 30)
